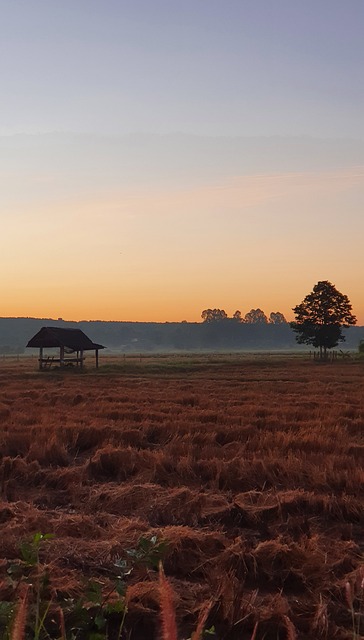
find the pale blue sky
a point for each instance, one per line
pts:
(179, 154)
(235, 67)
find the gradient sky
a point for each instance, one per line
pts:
(161, 157)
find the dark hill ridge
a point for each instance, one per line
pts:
(169, 336)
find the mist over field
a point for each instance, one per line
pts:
(146, 337)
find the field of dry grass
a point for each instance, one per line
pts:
(250, 468)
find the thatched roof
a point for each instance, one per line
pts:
(73, 339)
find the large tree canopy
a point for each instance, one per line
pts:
(321, 317)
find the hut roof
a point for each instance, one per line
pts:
(74, 339)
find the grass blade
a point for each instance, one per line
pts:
(18, 632)
(168, 614)
(197, 634)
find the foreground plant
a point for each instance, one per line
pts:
(95, 615)
(148, 552)
(32, 576)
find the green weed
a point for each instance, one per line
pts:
(93, 616)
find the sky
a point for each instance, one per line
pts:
(159, 158)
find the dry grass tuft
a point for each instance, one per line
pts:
(62, 626)
(202, 619)
(291, 631)
(168, 615)
(18, 631)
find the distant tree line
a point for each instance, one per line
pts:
(320, 319)
(254, 316)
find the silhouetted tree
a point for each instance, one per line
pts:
(213, 315)
(255, 316)
(321, 317)
(237, 316)
(277, 318)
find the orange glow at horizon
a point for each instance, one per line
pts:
(165, 255)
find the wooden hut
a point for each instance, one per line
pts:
(72, 343)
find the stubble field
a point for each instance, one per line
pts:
(247, 471)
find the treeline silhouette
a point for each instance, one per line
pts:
(254, 316)
(136, 337)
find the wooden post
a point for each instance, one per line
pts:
(97, 358)
(40, 358)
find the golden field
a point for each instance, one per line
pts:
(249, 468)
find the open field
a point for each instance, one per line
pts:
(250, 468)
